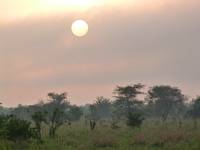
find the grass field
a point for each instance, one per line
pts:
(153, 135)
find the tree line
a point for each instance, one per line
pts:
(161, 102)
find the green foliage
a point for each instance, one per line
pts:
(74, 113)
(101, 109)
(38, 118)
(14, 129)
(135, 119)
(129, 92)
(103, 106)
(127, 106)
(125, 109)
(56, 108)
(93, 115)
(126, 98)
(3, 121)
(150, 136)
(56, 121)
(166, 100)
(195, 109)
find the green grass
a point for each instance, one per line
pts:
(151, 136)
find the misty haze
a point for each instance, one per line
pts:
(99, 74)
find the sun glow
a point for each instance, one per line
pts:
(77, 5)
(79, 28)
(15, 9)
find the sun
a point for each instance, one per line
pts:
(79, 28)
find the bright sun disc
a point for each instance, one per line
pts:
(79, 28)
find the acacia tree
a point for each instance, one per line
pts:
(100, 109)
(103, 106)
(126, 97)
(165, 99)
(56, 108)
(127, 104)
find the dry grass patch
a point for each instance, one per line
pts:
(104, 141)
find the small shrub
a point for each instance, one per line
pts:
(3, 130)
(135, 119)
(38, 118)
(17, 129)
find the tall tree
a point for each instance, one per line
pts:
(103, 106)
(56, 108)
(126, 97)
(166, 100)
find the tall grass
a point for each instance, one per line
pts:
(153, 135)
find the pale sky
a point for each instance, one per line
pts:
(129, 41)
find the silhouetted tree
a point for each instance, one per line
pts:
(126, 98)
(103, 107)
(56, 108)
(135, 119)
(74, 113)
(165, 99)
(93, 115)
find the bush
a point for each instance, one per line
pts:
(14, 129)
(135, 119)
(2, 126)
(38, 118)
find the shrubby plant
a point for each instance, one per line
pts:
(135, 119)
(56, 121)
(194, 112)
(14, 129)
(38, 118)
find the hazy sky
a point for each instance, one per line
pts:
(129, 41)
